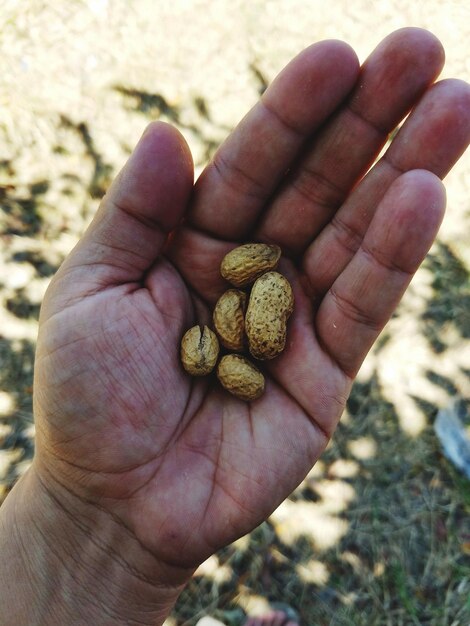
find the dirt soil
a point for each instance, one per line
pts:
(379, 532)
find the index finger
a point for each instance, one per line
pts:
(246, 169)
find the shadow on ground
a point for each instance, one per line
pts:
(194, 117)
(450, 304)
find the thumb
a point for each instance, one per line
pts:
(145, 202)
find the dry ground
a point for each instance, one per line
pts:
(379, 533)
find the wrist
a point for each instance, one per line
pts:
(72, 562)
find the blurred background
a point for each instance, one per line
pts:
(379, 532)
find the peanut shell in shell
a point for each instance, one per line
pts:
(243, 265)
(199, 350)
(270, 305)
(240, 377)
(229, 319)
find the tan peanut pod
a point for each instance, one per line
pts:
(270, 305)
(243, 265)
(199, 350)
(229, 319)
(240, 377)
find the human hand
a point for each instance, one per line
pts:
(182, 467)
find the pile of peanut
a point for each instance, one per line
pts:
(244, 321)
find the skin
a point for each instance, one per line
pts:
(142, 472)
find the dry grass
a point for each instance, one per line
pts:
(379, 532)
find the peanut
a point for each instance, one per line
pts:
(270, 305)
(261, 327)
(199, 350)
(243, 265)
(240, 377)
(229, 319)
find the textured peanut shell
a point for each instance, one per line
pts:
(240, 377)
(243, 265)
(199, 350)
(229, 319)
(271, 303)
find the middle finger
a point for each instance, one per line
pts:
(392, 79)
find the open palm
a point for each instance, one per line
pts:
(183, 465)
